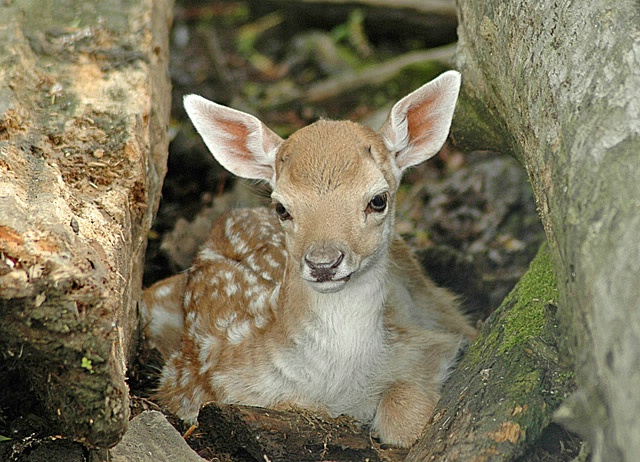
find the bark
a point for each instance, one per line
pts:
(84, 109)
(556, 84)
(283, 436)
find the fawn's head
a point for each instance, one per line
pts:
(334, 183)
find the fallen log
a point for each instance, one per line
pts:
(433, 21)
(501, 397)
(287, 435)
(84, 109)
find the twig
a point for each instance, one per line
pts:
(334, 87)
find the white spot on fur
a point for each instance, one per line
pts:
(205, 367)
(273, 299)
(271, 261)
(257, 304)
(259, 321)
(224, 323)
(206, 344)
(188, 410)
(237, 332)
(185, 378)
(209, 255)
(250, 261)
(250, 278)
(235, 239)
(231, 289)
(162, 319)
(163, 291)
(197, 397)
(197, 277)
(193, 328)
(169, 372)
(187, 298)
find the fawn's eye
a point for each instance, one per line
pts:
(378, 203)
(282, 212)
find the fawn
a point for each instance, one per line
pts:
(314, 302)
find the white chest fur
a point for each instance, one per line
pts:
(335, 358)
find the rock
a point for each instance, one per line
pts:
(151, 438)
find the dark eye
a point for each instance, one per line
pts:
(378, 203)
(282, 212)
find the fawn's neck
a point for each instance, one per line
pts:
(337, 338)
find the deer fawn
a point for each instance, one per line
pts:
(314, 302)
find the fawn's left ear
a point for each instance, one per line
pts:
(419, 123)
(239, 141)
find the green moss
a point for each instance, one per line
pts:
(525, 317)
(486, 342)
(86, 364)
(470, 128)
(525, 384)
(539, 283)
(521, 316)
(563, 380)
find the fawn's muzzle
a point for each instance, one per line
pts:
(326, 267)
(323, 263)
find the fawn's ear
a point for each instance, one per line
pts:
(239, 141)
(419, 123)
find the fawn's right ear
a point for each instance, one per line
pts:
(239, 141)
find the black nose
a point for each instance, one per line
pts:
(323, 261)
(324, 258)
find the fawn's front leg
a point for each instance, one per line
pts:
(420, 364)
(403, 412)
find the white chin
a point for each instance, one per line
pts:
(328, 287)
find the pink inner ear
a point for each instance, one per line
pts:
(237, 139)
(420, 120)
